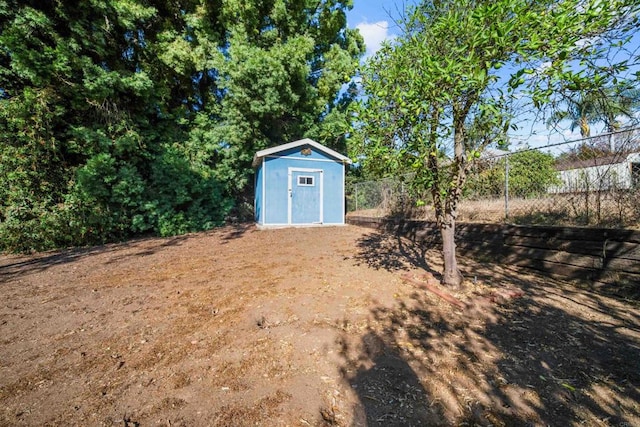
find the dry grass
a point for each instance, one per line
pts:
(615, 210)
(298, 327)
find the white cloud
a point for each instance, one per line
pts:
(374, 34)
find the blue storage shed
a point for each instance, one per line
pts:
(299, 183)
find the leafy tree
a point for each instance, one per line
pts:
(531, 173)
(71, 90)
(281, 73)
(438, 87)
(122, 117)
(603, 105)
(264, 73)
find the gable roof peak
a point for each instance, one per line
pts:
(301, 142)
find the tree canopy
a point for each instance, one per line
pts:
(531, 174)
(439, 94)
(122, 117)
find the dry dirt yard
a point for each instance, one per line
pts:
(298, 327)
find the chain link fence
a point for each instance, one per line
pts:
(591, 182)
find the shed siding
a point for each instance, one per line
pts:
(276, 199)
(272, 185)
(259, 197)
(334, 194)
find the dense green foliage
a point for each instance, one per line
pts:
(438, 96)
(531, 174)
(122, 117)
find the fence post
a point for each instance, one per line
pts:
(612, 142)
(356, 196)
(506, 188)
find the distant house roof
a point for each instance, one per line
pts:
(598, 161)
(306, 141)
(581, 164)
(491, 153)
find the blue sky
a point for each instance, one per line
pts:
(375, 20)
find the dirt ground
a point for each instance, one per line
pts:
(298, 327)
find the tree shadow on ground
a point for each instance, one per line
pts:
(536, 365)
(19, 265)
(556, 356)
(236, 231)
(387, 386)
(390, 252)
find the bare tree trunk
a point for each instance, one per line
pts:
(451, 275)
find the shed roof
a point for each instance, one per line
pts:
(306, 141)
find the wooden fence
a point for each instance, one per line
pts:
(603, 258)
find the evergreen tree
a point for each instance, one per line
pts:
(120, 117)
